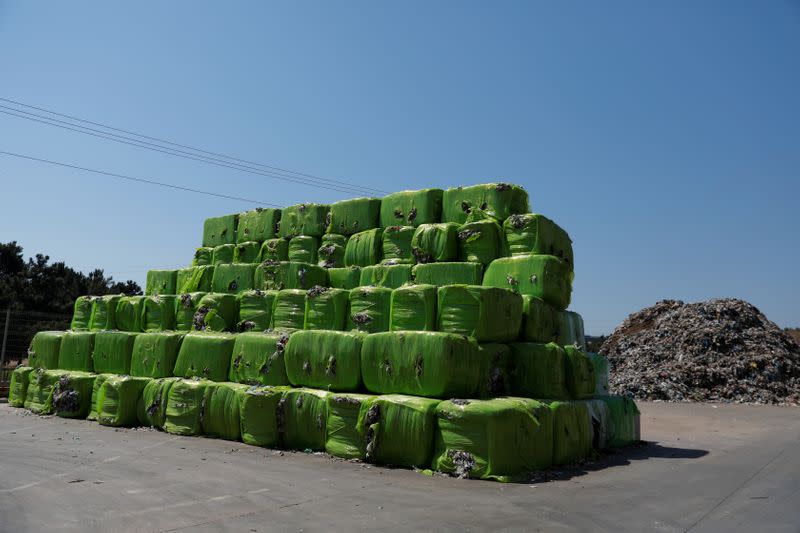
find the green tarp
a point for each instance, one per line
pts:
(216, 312)
(82, 313)
(435, 243)
(539, 320)
(391, 276)
(498, 200)
(161, 282)
(400, 430)
(346, 431)
(44, 349)
(329, 360)
(255, 309)
(538, 370)
(247, 252)
(302, 415)
(290, 309)
(486, 313)
(351, 216)
(186, 305)
(152, 406)
(411, 208)
(96, 386)
(154, 354)
(495, 374)
(448, 273)
(413, 308)
(579, 373)
(203, 256)
(104, 312)
(39, 397)
(221, 416)
(397, 244)
(72, 394)
(275, 250)
(258, 359)
(572, 433)
(258, 224)
(344, 278)
(272, 275)
(184, 414)
(258, 413)
(601, 373)
(536, 234)
(223, 254)
(118, 400)
(158, 313)
(370, 309)
(304, 219)
(500, 439)
(326, 308)
(18, 388)
(220, 230)
(303, 249)
(233, 278)
(364, 248)
(205, 355)
(112, 351)
(570, 329)
(331, 255)
(624, 421)
(544, 276)
(76, 350)
(129, 313)
(422, 363)
(481, 242)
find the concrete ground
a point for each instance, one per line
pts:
(704, 468)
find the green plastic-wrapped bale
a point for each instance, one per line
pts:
(152, 407)
(18, 388)
(302, 415)
(184, 413)
(72, 394)
(539, 320)
(303, 249)
(331, 255)
(118, 401)
(233, 278)
(601, 373)
(435, 243)
(364, 248)
(205, 355)
(158, 313)
(370, 309)
(304, 219)
(223, 254)
(538, 371)
(346, 433)
(255, 309)
(290, 309)
(43, 352)
(536, 234)
(422, 363)
(154, 354)
(247, 252)
(500, 439)
(279, 275)
(572, 433)
(413, 308)
(258, 225)
(326, 308)
(258, 413)
(411, 208)
(161, 282)
(203, 256)
(113, 351)
(258, 359)
(39, 396)
(486, 313)
(216, 312)
(76, 350)
(495, 374)
(334, 238)
(329, 360)
(497, 200)
(396, 243)
(352, 216)
(275, 250)
(129, 313)
(599, 422)
(220, 230)
(221, 417)
(104, 314)
(448, 273)
(344, 278)
(481, 241)
(96, 386)
(544, 276)
(400, 430)
(391, 276)
(624, 428)
(186, 305)
(82, 313)
(570, 329)
(579, 373)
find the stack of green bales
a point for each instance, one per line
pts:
(425, 329)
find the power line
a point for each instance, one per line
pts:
(308, 176)
(138, 180)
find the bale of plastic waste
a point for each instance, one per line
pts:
(221, 416)
(329, 360)
(346, 432)
(302, 416)
(370, 309)
(271, 275)
(413, 308)
(220, 230)
(112, 351)
(203, 256)
(304, 219)
(72, 394)
(391, 276)
(258, 224)
(76, 350)
(233, 278)
(118, 400)
(448, 273)
(223, 254)
(247, 252)
(184, 413)
(154, 354)
(129, 313)
(161, 282)
(435, 243)
(400, 430)
(258, 359)
(303, 249)
(259, 415)
(152, 406)
(290, 309)
(411, 208)
(530, 233)
(205, 355)
(104, 312)
(396, 243)
(544, 276)
(352, 216)
(216, 312)
(186, 306)
(158, 313)
(344, 278)
(486, 313)
(43, 352)
(255, 309)
(364, 248)
(539, 371)
(326, 308)
(275, 250)
(497, 200)
(18, 388)
(495, 374)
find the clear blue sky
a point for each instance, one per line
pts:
(665, 137)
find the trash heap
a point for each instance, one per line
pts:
(425, 329)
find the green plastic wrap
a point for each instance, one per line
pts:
(364, 248)
(370, 309)
(186, 306)
(344, 278)
(104, 312)
(346, 432)
(220, 230)
(39, 396)
(258, 359)
(334, 238)
(129, 313)
(258, 225)
(481, 242)
(497, 200)
(233, 279)
(82, 313)
(272, 275)
(391, 276)
(435, 243)
(255, 309)
(599, 422)
(275, 250)
(352, 216)
(422, 363)
(544, 276)
(413, 308)
(205, 355)
(539, 320)
(486, 313)
(331, 255)
(290, 309)
(570, 329)
(223, 254)
(216, 312)
(396, 244)
(303, 249)
(304, 219)
(572, 433)
(326, 308)
(501, 439)
(400, 430)
(154, 354)
(221, 417)
(184, 413)
(601, 373)
(161, 282)
(536, 234)
(538, 370)
(258, 413)
(158, 313)
(411, 208)
(72, 394)
(448, 273)
(496, 371)
(203, 256)
(44, 349)
(302, 415)
(247, 252)
(18, 388)
(152, 407)
(76, 350)
(329, 360)
(96, 386)
(624, 428)
(579, 373)
(118, 401)
(112, 351)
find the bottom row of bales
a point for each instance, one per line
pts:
(501, 438)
